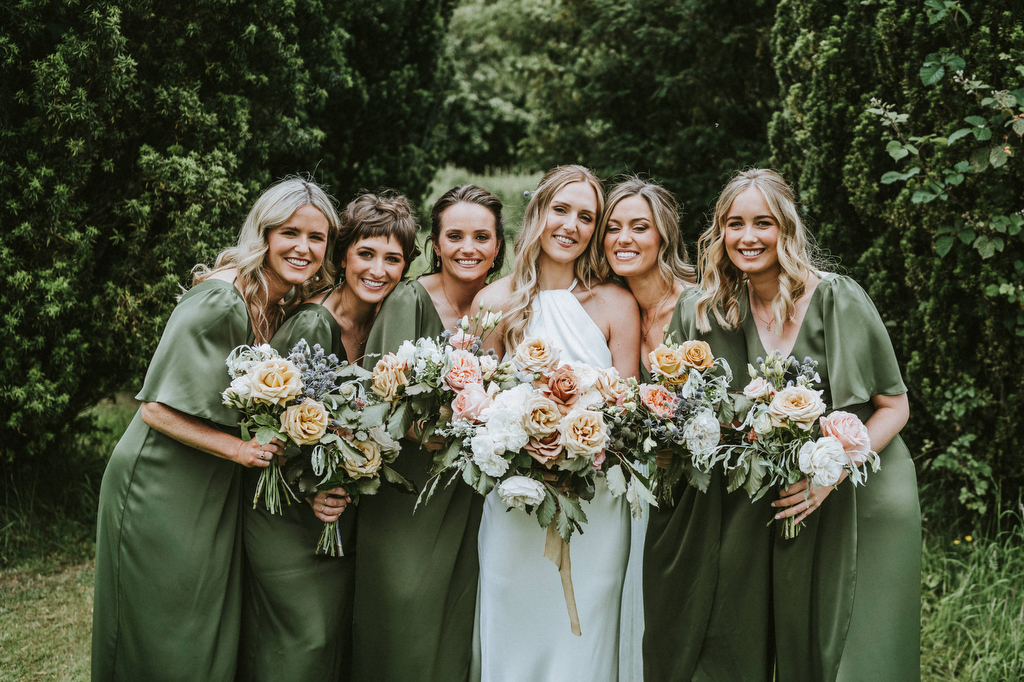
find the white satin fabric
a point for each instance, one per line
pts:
(522, 621)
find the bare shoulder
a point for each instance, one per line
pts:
(612, 294)
(225, 275)
(495, 295)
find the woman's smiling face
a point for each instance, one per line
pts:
(631, 241)
(374, 267)
(570, 222)
(752, 234)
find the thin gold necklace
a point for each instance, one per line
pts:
(770, 321)
(657, 312)
(451, 305)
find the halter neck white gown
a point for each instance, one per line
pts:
(523, 624)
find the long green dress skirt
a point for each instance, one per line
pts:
(297, 606)
(848, 588)
(707, 585)
(416, 575)
(168, 543)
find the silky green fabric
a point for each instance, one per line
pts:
(297, 606)
(847, 588)
(168, 545)
(707, 586)
(416, 575)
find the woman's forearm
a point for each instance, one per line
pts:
(191, 431)
(891, 415)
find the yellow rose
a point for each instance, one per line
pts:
(584, 433)
(389, 377)
(797, 404)
(535, 355)
(306, 422)
(276, 382)
(370, 461)
(697, 354)
(542, 416)
(668, 362)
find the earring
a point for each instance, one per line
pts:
(437, 262)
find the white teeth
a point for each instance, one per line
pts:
(626, 255)
(370, 284)
(298, 262)
(564, 240)
(469, 263)
(751, 252)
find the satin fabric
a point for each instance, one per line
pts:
(523, 622)
(707, 561)
(168, 545)
(847, 588)
(416, 574)
(297, 606)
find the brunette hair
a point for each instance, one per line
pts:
(467, 194)
(387, 214)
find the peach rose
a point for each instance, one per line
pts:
(563, 388)
(371, 460)
(535, 356)
(462, 339)
(759, 389)
(463, 369)
(697, 354)
(797, 404)
(389, 377)
(470, 402)
(668, 362)
(545, 449)
(584, 433)
(849, 430)
(306, 422)
(541, 416)
(659, 400)
(276, 382)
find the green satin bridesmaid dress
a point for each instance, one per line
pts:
(416, 575)
(168, 544)
(847, 589)
(707, 585)
(297, 606)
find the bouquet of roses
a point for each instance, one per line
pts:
(780, 427)
(674, 422)
(277, 400)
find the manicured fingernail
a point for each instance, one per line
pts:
(778, 516)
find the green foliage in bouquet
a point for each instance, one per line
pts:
(901, 128)
(133, 139)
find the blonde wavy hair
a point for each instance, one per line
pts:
(722, 282)
(524, 284)
(274, 207)
(673, 261)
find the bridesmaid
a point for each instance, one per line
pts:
(416, 575)
(706, 614)
(168, 548)
(553, 293)
(297, 606)
(847, 590)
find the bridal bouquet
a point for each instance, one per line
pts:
(780, 427)
(674, 422)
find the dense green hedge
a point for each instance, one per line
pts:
(871, 93)
(133, 138)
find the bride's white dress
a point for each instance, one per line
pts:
(523, 624)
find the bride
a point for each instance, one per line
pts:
(553, 293)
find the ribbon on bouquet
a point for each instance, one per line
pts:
(557, 550)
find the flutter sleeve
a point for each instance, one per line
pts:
(861, 360)
(406, 315)
(728, 345)
(316, 325)
(188, 372)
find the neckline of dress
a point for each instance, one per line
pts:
(575, 281)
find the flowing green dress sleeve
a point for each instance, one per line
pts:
(847, 588)
(707, 585)
(168, 543)
(416, 574)
(297, 606)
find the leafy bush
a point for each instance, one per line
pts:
(923, 209)
(133, 139)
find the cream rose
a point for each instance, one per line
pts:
(306, 422)
(276, 382)
(697, 354)
(668, 362)
(609, 385)
(470, 402)
(488, 364)
(797, 404)
(534, 355)
(389, 377)
(759, 388)
(584, 433)
(850, 431)
(520, 492)
(822, 461)
(462, 370)
(371, 460)
(659, 400)
(541, 416)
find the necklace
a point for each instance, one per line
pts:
(644, 331)
(451, 305)
(770, 321)
(352, 327)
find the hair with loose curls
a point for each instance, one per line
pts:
(673, 261)
(387, 215)
(721, 280)
(274, 207)
(524, 285)
(467, 194)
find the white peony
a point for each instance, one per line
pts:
(520, 492)
(505, 417)
(239, 393)
(822, 461)
(702, 434)
(487, 454)
(406, 353)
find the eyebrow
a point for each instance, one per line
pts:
(757, 217)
